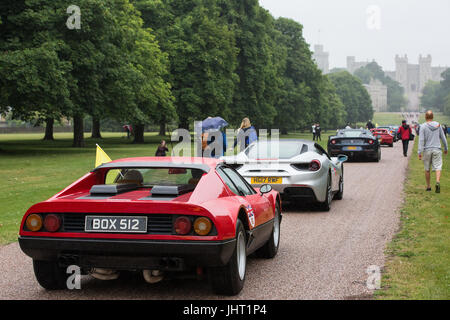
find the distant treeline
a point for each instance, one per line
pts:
(156, 62)
(436, 95)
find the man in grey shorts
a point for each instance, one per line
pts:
(430, 150)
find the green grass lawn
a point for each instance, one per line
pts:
(33, 170)
(419, 256)
(387, 118)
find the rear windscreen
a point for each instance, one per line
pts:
(149, 177)
(276, 150)
(354, 134)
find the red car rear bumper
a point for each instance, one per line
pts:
(129, 254)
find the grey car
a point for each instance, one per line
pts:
(298, 169)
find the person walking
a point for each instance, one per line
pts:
(430, 149)
(405, 133)
(318, 132)
(162, 149)
(313, 128)
(369, 125)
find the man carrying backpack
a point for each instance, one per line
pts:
(405, 133)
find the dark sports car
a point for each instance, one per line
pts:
(356, 144)
(155, 216)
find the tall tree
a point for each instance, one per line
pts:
(111, 66)
(259, 81)
(202, 54)
(34, 78)
(354, 96)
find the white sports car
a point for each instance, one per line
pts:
(298, 169)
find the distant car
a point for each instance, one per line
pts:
(385, 137)
(392, 131)
(155, 216)
(356, 144)
(298, 169)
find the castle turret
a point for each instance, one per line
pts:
(401, 70)
(322, 58)
(425, 73)
(351, 60)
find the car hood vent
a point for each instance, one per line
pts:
(174, 191)
(111, 189)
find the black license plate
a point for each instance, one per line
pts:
(115, 224)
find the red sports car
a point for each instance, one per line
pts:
(385, 137)
(158, 216)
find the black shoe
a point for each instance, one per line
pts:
(438, 188)
(428, 189)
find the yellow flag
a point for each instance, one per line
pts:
(101, 157)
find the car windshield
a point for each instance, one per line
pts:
(354, 133)
(149, 177)
(276, 150)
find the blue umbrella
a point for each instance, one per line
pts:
(213, 124)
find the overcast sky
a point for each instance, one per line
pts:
(351, 27)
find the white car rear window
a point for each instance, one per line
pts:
(276, 150)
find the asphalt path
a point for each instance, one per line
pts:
(322, 255)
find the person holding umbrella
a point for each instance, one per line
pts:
(210, 128)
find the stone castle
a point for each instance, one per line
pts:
(412, 77)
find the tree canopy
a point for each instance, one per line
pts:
(436, 95)
(353, 95)
(158, 62)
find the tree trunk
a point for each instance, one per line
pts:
(184, 124)
(283, 131)
(96, 129)
(78, 131)
(49, 129)
(162, 128)
(138, 133)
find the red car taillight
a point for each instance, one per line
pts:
(314, 165)
(183, 225)
(333, 141)
(371, 141)
(52, 223)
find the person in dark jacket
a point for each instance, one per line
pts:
(162, 149)
(405, 134)
(370, 125)
(318, 132)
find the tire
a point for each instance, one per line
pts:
(49, 275)
(326, 205)
(229, 279)
(270, 248)
(340, 194)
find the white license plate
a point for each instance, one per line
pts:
(115, 224)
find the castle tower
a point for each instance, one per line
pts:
(351, 61)
(425, 73)
(401, 70)
(321, 58)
